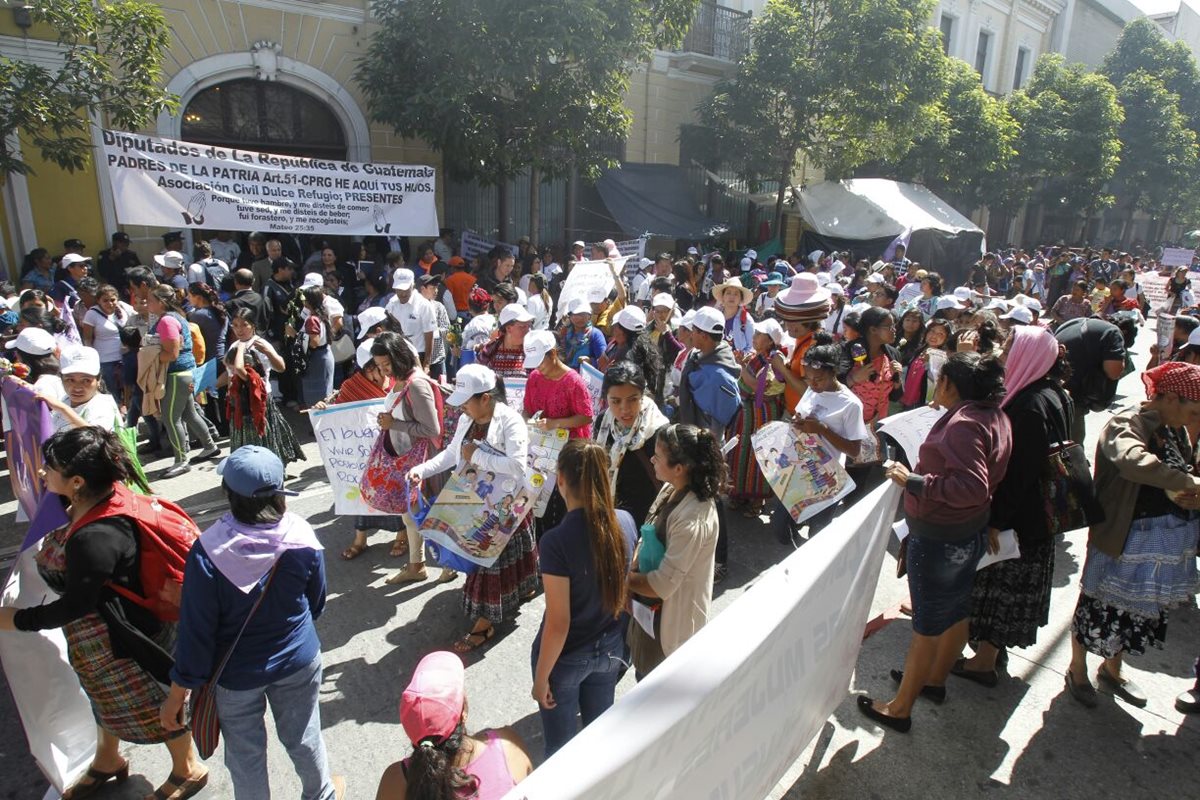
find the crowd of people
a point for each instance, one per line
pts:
(698, 352)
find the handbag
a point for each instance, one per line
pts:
(1068, 490)
(384, 483)
(206, 727)
(342, 347)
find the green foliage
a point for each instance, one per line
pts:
(113, 52)
(1069, 122)
(1143, 48)
(966, 151)
(1158, 149)
(500, 85)
(844, 81)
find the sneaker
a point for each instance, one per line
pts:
(177, 470)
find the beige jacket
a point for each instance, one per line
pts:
(1123, 464)
(152, 378)
(684, 579)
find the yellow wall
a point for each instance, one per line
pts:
(65, 205)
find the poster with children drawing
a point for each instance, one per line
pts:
(803, 470)
(544, 447)
(478, 510)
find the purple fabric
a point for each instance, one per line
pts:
(31, 425)
(245, 553)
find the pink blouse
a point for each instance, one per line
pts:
(559, 399)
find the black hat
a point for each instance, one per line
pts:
(121, 236)
(425, 280)
(73, 244)
(171, 236)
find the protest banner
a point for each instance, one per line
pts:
(909, 294)
(544, 447)
(514, 393)
(1177, 257)
(761, 679)
(803, 470)
(594, 379)
(55, 713)
(910, 429)
(345, 433)
(1154, 287)
(585, 277)
(471, 244)
(170, 183)
(477, 511)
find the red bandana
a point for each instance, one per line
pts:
(1175, 377)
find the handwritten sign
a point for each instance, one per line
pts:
(586, 277)
(345, 435)
(514, 393)
(594, 379)
(1177, 257)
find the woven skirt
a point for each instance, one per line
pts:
(278, 436)
(1011, 599)
(495, 592)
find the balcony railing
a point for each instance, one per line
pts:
(719, 32)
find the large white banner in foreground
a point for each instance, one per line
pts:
(172, 184)
(728, 713)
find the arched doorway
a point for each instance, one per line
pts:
(266, 116)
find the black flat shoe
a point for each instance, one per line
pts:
(935, 693)
(1084, 694)
(867, 707)
(988, 678)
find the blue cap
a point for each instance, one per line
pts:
(253, 471)
(773, 279)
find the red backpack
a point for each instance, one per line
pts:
(165, 537)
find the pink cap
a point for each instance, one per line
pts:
(432, 705)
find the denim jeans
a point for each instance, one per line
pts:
(584, 683)
(294, 704)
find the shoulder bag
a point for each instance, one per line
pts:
(206, 727)
(1068, 491)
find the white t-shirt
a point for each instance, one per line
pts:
(541, 315)
(101, 411)
(416, 318)
(225, 251)
(106, 338)
(841, 411)
(198, 272)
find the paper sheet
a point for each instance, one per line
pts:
(643, 615)
(1008, 545)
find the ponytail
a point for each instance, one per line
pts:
(583, 465)
(431, 774)
(697, 450)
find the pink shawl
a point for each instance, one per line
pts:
(1031, 355)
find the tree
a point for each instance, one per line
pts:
(843, 81)
(112, 57)
(498, 86)
(1143, 48)
(967, 150)
(1069, 141)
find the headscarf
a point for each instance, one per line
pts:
(1175, 377)
(1033, 352)
(244, 553)
(649, 421)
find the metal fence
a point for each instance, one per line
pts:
(719, 32)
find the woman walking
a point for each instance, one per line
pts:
(86, 564)
(761, 389)
(947, 499)
(579, 651)
(253, 416)
(101, 329)
(253, 587)
(678, 590)
(628, 430)
(492, 594)
(1141, 560)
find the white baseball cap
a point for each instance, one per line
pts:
(80, 361)
(596, 294)
(752, 255)
(644, 264)
(362, 354)
(746, 264)
(691, 251)
(963, 293)
(171, 259)
(948, 301)
(313, 279)
(631, 318)
(537, 345)
(837, 289)
(997, 304)
(1019, 314)
(75, 258)
(690, 317)
(577, 244)
(1033, 304)
(471, 380)
(515, 312)
(34, 341)
(403, 279)
(662, 300)
(709, 320)
(371, 317)
(579, 305)
(770, 328)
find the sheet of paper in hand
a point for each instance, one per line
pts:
(910, 428)
(478, 510)
(803, 470)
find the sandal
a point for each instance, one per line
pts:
(447, 575)
(354, 551)
(467, 643)
(408, 575)
(179, 788)
(399, 548)
(95, 780)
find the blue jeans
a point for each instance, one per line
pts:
(584, 683)
(294, 704)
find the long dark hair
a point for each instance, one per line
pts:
(166, 295)
(391, 345)
(975, 377)
(431, 773)
(201, 289)
(583, 465)
(696, 449)
(314, 298)
(911, 347)
(94, 454)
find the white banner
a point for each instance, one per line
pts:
(585, 276)
(171, 184)
(1154, 287)
(728, 713)
(345, 433)
(472, 244)
(1177, 257)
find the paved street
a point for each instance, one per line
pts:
(1026, 738)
